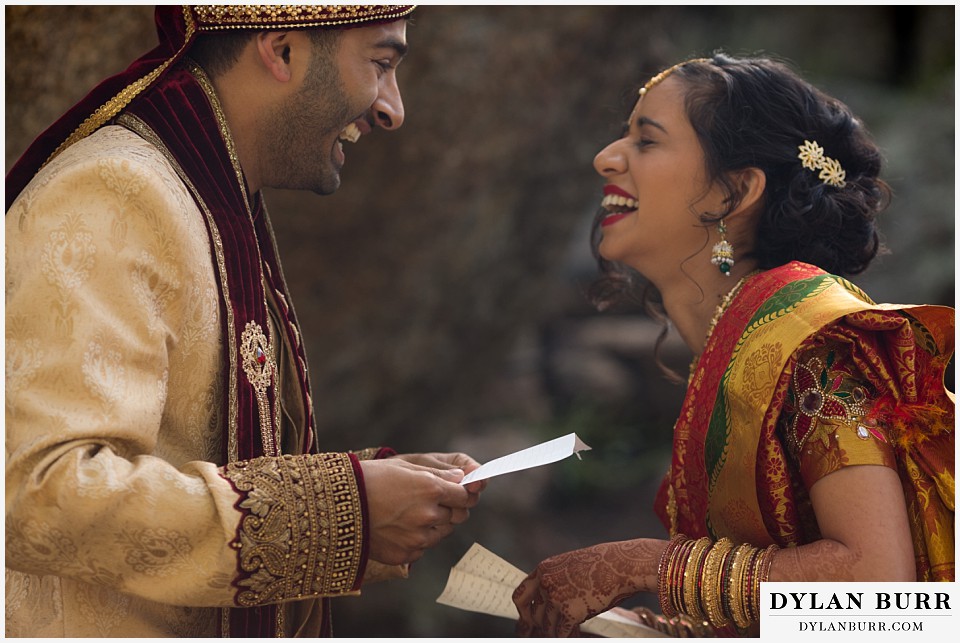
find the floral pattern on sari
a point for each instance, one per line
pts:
(827, 414)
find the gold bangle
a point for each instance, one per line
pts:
(751, 602)
(746, 579)
(723, 583)
(761, 575)
(732, 567)
(664, 570)
(691, 579)
(678, 567)
(711, 589)
(726, 591)
(743, 554)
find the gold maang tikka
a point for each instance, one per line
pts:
(659, 78)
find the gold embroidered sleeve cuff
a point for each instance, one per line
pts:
(301, 533)
(374, 453)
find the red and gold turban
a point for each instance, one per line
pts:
(177, 28)
(234, 16)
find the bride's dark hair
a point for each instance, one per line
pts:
(757, 112)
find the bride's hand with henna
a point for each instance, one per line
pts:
(567, 589)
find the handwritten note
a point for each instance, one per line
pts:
(545, 453)
(483, 582)
(480, 583)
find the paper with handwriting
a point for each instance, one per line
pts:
(483, 582)
(535, 456)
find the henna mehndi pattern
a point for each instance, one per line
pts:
(569, 588)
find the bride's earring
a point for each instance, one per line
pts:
(722, 255)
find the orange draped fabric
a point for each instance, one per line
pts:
(735, 471)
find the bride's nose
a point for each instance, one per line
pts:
(611, 160)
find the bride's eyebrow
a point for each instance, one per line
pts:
(643, 120)
(640, 122)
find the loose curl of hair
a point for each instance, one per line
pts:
(756, 112)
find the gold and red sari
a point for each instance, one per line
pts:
(803, 375)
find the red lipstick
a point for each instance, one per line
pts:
(613, 218)
(612, 189)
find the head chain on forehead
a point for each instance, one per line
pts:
(810, 153)
(659, 78)
(220, 17)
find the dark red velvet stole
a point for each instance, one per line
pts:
(179, 112)
(174, 31)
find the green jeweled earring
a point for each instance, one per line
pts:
(722, 255)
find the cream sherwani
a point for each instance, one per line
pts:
(119, 512)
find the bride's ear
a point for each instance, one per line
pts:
(750, 184)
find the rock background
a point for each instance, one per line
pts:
(440, 289)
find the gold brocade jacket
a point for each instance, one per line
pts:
(119, 513)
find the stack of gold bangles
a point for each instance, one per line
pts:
(713, 581)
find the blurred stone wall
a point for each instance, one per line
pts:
(440, 289)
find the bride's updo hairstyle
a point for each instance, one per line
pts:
(756, 112)
(823, 190)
